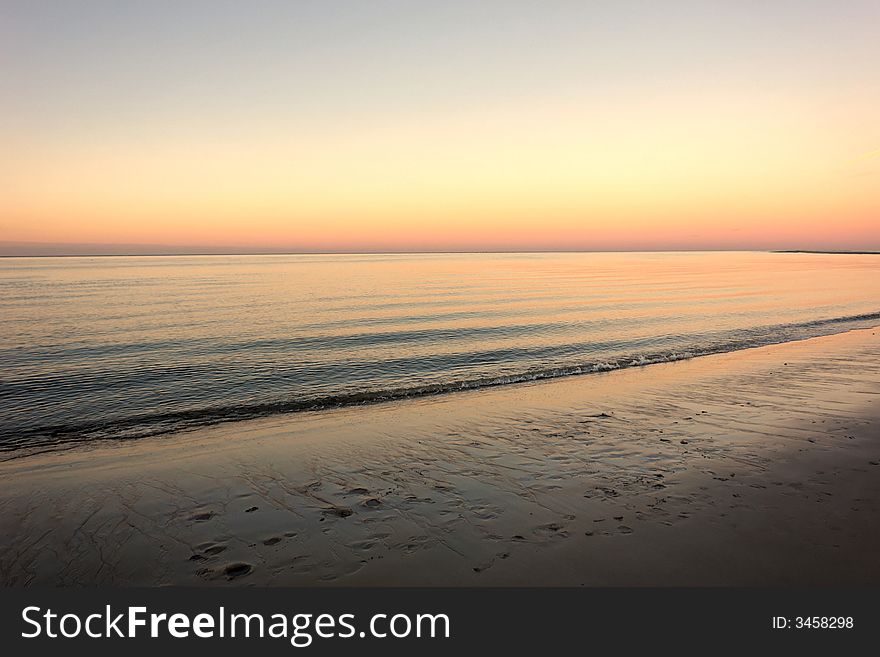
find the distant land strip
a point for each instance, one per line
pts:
(829, 252)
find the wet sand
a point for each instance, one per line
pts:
(759, 467)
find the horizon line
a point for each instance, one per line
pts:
(185, 254)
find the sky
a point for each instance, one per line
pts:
(395, 126)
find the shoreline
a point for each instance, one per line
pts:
(207, 419)
(708, 471)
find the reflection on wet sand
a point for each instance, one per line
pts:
(755, 467)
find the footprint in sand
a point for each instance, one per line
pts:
(551, 530)
(207, 550)
(301, 564)
(415, 543)
(488, 564)
(484, 512)
(544, 488)
(235, 570)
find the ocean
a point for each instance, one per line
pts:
(126, 347)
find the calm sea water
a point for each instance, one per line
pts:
(133, 346)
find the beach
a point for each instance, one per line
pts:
(753, 467)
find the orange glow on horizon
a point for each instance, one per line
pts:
(692, 163)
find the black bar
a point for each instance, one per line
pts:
(498, 621)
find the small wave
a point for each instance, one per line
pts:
(48, 438)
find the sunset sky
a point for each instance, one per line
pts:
(441, 125)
